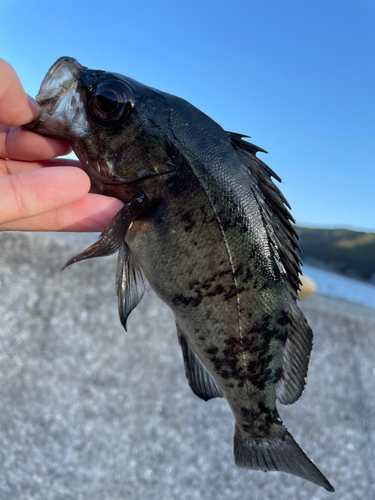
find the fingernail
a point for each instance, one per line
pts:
(33, 103)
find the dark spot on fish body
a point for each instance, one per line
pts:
(249, 429)
(240, 374)
(208, 218)
(253, 366)
(216, 291)
(223, 272)
(267, 374)
(239, 271)
(263, 408)
(283, 319)
(246, 413)
(231, 341)
(231, 293)
(181, 300)
(263, 430)
(225, 374)
(217, 362)
(188, 217)
(268, 359)
(278, 375)
(258, 382)
(247, 344)
(244, 273)
(272, 417)
(212, 350)
(232, 351)
(267, 335)
(231, 363)
(189, 227)
(193, 284)
(282, 336)
(253, 349)
(238, 222)
(269, 420)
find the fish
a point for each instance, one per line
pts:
(205, 226)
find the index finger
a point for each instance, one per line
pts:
(16, 107)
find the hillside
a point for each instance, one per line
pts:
(348, 252)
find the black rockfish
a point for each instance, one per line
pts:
(206, 227)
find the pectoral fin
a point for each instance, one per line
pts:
(200, 380)
(111, 239)
(131, 283)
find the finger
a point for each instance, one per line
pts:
(16, 107)
(92, 213)
(32, 193)
(10, 167)
(18, 143)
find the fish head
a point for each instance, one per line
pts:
(108, 119)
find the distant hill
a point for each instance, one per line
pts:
(348, 252)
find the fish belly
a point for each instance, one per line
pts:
(220, 302)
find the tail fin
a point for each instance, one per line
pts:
(284, 456)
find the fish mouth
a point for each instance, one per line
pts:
(59, 84)
(63, 115)
(58, 80)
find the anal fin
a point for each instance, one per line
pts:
(200, 380)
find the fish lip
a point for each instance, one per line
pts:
(57, 81)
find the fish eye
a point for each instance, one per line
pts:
(110, 102)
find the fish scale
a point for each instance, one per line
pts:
(204, 225)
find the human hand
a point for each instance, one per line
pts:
(37, 191)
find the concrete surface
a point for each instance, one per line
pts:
(88, 411)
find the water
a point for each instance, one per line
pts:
(341, 287)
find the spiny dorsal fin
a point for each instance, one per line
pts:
(275, 214)
(200, 380)
(252, 148)
(131, 283)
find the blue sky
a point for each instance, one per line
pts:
(298, 77)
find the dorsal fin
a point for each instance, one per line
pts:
(282, 238)
(201, 382)
(297, 351)
(252, 148)
(275, 214)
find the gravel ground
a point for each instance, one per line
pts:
(88, 411)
